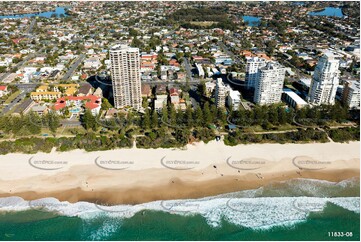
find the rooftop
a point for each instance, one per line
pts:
(121, 47)
(294, 96)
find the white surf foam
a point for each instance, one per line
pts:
(245, 208)
(257, 213)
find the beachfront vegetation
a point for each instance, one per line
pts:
(345, 134)
(175, 128)
(301, 136)
(88, 142)
(29, 124)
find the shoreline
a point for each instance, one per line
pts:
(133, 176)
(181, 190)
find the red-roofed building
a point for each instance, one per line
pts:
(174, 95)
(17, 41)
(246, 53)
(3, 90)
(173, 62)
(77, 104)
(197, 58)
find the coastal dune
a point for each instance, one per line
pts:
(132, 176)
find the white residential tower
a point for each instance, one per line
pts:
(325, 80)
(269, 84)
(125, 73)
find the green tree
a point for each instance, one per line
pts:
(53, 121)
(146, 120)
(154, 121)
(89, 121)
(34, 123)
(207, 116)
(172, 115)
(189, 116)
(198, 116)
(105, 104)
(165, 113)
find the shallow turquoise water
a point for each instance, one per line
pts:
(152, 225)
(299, 209)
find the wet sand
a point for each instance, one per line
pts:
(131, 176)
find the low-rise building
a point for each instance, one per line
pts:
(234, 99)
(76, 104)
(84, 90)
(44, 95)
(92, 63)
(23, 107)
(292, 99)
(174, 95)
(200, 70)
(210, 86)
(98, 92)
(146, 90)
(39, 109)
(4, 91)
(160, 101)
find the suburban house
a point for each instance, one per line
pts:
(4, 91)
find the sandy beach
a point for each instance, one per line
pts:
(130, 176)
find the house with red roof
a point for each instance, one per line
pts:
(174, 62)
(17, 41)
(4, 91)
(174, 95)
(77, 105)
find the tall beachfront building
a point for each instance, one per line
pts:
(351, 94)
(252, 66)
(269, 84)
(325, 80)
(221, 93)
(125, 73)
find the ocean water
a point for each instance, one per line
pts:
(299, 209)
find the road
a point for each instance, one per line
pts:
(25, 89)
(31, 86)
(30, 30)
(236, 59)
(73, 67)
(14, 102)
(72, 123)
(188, 68)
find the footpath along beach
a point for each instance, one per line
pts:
(132, 176)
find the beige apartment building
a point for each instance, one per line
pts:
(125, 73)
